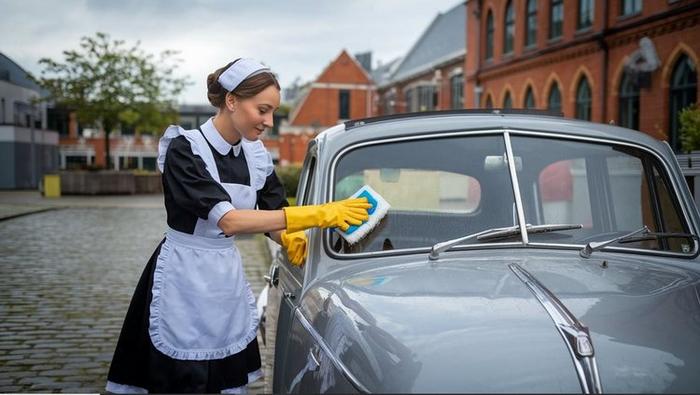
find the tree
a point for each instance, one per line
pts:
(690, 128)
(108, 84)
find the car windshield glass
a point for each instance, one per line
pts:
(611, 190)
(439, 189)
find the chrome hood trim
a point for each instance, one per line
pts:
(574, 333)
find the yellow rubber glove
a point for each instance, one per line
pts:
(340, 214)
(295, 243)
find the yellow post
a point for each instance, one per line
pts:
(52, 185)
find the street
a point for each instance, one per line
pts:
(66, 279)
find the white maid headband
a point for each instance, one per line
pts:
(239, 71)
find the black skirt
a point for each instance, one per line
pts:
(137, 362)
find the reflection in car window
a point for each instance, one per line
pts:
(438, 189)
(610, 190)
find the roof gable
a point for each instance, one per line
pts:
(15, 74)
(444, 39)
(344, 69)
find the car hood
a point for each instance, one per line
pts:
(471, 325)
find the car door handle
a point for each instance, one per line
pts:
(314, 358)
(273, 276)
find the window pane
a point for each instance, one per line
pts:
(583, 100)
(556, 19)
(585, 13)
(509, 32)
(683, 93)
(507, 101)
(529, 99)
(344, 104)
(435, 187)
(554, 99)
(531, 28)
(603, 187)
(489, 36)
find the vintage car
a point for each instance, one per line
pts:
(522, 253)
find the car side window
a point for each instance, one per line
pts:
(304, 196)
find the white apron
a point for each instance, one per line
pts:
(202, 306)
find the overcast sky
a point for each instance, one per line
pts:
(294, 38)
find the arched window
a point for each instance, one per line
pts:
(489, 102)
(628, 103)
(556, 19)
(531, 21)
(585, 14)
(529, 99)
(509, 29)
(507, 101)
(684, 82)
(489, 36)
(554, 99)
(583, 100)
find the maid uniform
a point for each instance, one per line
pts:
(191, 325)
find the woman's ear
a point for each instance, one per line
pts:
(231, 102)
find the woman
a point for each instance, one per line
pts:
(191, 325)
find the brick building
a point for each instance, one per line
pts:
(344, 90)
(430, 75)
(631, 62)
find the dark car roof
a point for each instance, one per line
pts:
(448, 121)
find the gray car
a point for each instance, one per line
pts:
(522, 253)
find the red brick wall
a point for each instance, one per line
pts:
(581, 53)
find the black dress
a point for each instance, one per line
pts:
(190, 193)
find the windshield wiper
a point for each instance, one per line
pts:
(593, 246)
(498, 233)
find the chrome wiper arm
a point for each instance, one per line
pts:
(657, 235)
(446, 245)
(592, 246)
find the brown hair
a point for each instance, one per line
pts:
(249, 87)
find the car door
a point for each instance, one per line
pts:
(290, 279)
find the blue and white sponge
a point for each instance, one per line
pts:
(379, 209)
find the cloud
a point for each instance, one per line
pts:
(295, 38)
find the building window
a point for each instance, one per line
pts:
(509, 31)
(507, 101)
(556, 19)
(344, 104)
(554, 99)
(529, 99)
(583, 100)
(630, 7)
(489, 36)
(457, 88)
(427, 98)
(489, 102)
(628, 103)
(585, 14)
(684, 89)
(410, 104)
(2, 111)
(531, 28)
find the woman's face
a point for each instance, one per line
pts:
(253, 115)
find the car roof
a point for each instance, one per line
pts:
(408, 124)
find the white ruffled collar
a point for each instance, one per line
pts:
(217, 141)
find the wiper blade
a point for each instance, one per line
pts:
(592, 246)
(446, 245)
(659, 235)
(498, 233)
(531, 229)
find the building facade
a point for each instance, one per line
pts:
(628, 62)
(430, 76)
(28, 149)
(344, 90)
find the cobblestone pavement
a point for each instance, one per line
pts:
(66, 279)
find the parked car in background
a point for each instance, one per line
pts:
(522, 253)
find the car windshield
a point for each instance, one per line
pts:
(439, 189)
(610, 189)
(446, 188)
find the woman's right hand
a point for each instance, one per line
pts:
(340, 214)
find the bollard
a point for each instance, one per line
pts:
(52, 185)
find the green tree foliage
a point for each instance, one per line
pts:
(690, 128)
(108, 84)
(289, 176)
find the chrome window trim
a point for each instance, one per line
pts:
(516, 189)
(570, 329)
(327, 350)
(511, 132)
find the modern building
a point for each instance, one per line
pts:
(28, 148)
(629, 62)
(344, 90)
(430, 76)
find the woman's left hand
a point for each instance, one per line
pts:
(295, 243)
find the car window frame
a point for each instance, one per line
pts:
(508, 133)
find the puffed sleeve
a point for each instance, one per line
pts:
(191, 185)
(272, 195)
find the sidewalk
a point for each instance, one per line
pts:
(18, 203)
